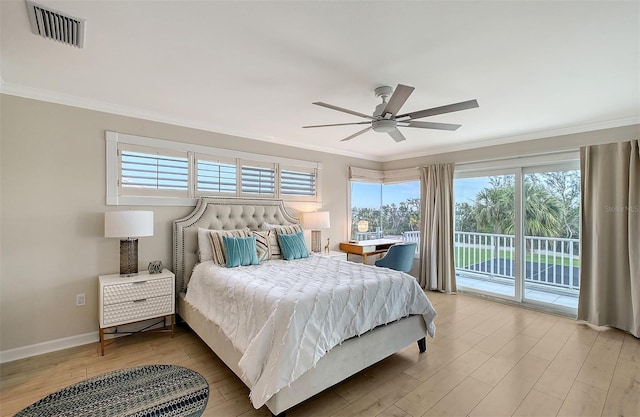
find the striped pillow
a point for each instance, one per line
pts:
(276, 229)
(217, 245)
(262, 245)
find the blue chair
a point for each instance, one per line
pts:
(399, 257)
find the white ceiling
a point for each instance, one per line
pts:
(253, 68)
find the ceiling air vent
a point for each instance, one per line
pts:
(55, 25)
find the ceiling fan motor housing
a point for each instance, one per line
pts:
(384, 125)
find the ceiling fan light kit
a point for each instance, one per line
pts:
(385, 118)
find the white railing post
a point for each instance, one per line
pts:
(562, 261)
(571, 244)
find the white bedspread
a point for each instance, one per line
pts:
(283, 316)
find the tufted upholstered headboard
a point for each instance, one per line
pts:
(220, 214)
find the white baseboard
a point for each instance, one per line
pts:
(72, 341)
(46, 347)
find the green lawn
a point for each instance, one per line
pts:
(465, 257)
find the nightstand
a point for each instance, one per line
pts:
(126, 300)
(333, 255)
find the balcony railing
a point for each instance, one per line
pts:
(548, 261)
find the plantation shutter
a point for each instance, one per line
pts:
(258, 178)
(298, 182)
(151, 171)
(216, 175)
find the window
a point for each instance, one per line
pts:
(517, 224)
(147, 171)
(216, 176)
(296, 181)
(259, 179)
(385, 204)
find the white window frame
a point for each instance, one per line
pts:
(114, 196)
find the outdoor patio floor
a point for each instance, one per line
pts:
(508, 289)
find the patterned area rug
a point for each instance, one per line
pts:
(153, 390)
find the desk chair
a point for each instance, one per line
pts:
(398, 257)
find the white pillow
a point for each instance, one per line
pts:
(205, 248)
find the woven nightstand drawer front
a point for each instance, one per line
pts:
(130, 291)
(137, 310)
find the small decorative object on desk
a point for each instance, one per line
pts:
(155, 267)
(326, 247)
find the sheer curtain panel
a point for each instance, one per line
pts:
(610, 242)
(437, 269)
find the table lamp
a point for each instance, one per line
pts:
(363, 226)
(315, 220)
(128, 226)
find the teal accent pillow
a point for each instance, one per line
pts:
(293, 246)
(240, 251)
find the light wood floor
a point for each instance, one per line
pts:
(488, 359)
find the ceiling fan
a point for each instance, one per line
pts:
(386, 118)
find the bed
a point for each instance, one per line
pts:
(338, 363)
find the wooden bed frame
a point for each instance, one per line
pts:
(341, 362)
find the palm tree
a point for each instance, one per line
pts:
(495, 210)
(543, 212)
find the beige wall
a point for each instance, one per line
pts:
(53, 204)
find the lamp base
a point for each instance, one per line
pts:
(315, 241)
(128, 257)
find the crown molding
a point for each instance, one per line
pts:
(571, 130)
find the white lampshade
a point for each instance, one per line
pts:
(316, 220)
(126, 224)
(363, 226)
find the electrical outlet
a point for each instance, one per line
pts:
(80, 300)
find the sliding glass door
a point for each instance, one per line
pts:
(517, 234)
(484, 238)
(552, 236)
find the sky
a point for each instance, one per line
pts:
(465, 189)
(368, 194)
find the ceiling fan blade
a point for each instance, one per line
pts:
(430, 125)
(464, 105)
(332, 107)
(397, 100)
(356, 134)
(397, 135)
(339, 124)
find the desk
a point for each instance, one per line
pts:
(365, 248)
